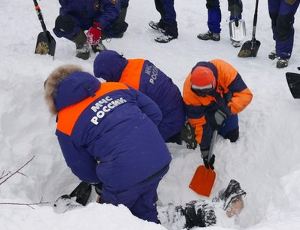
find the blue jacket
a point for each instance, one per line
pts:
(85, 12)
(107, 132)
(144, 76)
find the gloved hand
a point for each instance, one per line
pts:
(216, 118)
(209, 164)
(94, 34)
(220, 117)
(82, 193)
(188, 136)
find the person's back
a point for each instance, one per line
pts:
(144, 76)
(101, 130)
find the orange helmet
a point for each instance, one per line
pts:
(203, 79)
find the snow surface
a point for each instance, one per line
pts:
(265, 160)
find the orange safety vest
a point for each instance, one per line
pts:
(68, 116)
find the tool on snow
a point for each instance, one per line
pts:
(237, 30)
(293, 80)
(204, 178)
(45, 43)
(250, 48)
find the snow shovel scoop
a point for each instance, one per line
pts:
(237, 30)
(250, 48)
(204, 179)
(293, 80)
(45, 43)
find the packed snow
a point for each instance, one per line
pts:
(265, 159)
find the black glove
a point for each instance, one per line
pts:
(188, 136)
(82, 193)
(208, 163)
(220, 117)
(216, 119)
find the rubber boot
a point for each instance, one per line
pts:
(82, 46)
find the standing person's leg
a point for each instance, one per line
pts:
(169, 18)
(235, 7)
(213, 21)
(158, 25)
(169, 21)
(273, 6)
(285, 31)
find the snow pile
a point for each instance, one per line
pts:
(265, 160)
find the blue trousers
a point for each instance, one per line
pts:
(214, 14)
(282, 14)
(139, 199)
(230, 124)
(168, 16)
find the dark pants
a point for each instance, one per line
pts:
(168, 16)
(214, 13)
(139, 199)
(282, 14)
(68, 26)
(230, 130)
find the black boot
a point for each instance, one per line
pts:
(99, 47)
(282, 63)
(272, 55)
(209, 36)
(82, 46)
(170, 33)
(159, 26)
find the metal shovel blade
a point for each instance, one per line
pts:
(237, 30)
(293, 80)
(249, 48)
(45, 44)
(203, 181)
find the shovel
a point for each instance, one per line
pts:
(250, 48)
(204, 179)
(45, 43)
(293, 80)
(237, 30)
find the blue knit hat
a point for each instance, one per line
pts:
(109, 65)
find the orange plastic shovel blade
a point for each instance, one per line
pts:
(203, 181)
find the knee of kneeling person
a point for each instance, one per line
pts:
(64, 25)
(233, 135)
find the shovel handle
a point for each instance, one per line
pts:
(255, 20)
(40, 16)
(213, 140)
